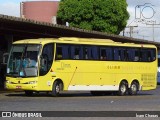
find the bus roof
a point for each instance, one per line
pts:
(35, 41)
(75, 40)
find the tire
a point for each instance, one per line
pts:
(133, 89)
(56, 88)
(122, 89)
(28, 93)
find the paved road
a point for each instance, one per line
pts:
(80, 101)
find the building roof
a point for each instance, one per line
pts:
(26, 28)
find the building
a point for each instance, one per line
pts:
(43, 11)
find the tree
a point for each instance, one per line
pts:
(100, 15)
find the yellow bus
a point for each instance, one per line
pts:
(100, 66)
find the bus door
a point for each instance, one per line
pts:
(46, 60)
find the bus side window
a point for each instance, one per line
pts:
(59, 53)
(76, 52)
(62, 52)
(143, 55)
(151, 54)
(87, 52)
(131, 54)
(116, 54)
(122, 54)
(136, 56)
(126, 55)
(103, 54)
(109, 53)
(94, 53)
(65, 52)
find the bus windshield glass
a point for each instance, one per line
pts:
(23, 61)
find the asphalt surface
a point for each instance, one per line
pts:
(81, 101)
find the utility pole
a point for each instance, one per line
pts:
(131, 30)
(152, 24)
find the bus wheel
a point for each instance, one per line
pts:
(56, 88)
(28, 93)
(122, 88)
(133, 89)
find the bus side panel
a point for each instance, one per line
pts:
(102, 74)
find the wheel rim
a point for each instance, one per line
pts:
(123, 88)
(134, 88)
(57, 88)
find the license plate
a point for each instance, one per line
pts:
(18, 87)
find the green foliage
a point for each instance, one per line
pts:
(100, 15)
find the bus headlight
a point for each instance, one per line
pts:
(32, 82)
(9, 82)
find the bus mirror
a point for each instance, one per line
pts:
(43, 60)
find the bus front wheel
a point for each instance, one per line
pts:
(56, 88)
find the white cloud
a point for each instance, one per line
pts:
(9, 8)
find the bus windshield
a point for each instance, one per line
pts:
(22, 61)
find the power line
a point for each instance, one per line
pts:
(130, 30)
(153, 24)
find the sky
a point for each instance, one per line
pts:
(144, 17)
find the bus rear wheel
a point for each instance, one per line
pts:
(122, 88)
(133, 89)
(56, 88)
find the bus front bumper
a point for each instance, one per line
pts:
(32, 87)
